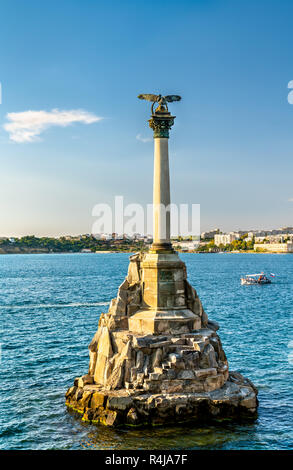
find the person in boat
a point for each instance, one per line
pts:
(261, 277)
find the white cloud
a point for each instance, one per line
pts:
(28, 125)
(290, 199)
(143, 139)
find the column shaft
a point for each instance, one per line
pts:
(161, 192)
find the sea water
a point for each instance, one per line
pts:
(49, 309)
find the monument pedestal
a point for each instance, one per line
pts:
(164, 308)
(163, 321)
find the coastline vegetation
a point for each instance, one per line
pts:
(86, 243)
(90, 244)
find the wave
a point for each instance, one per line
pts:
(69, 305)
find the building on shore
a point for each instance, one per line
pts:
(282, 238)
(274, 247)
(185, 245)
(210, 234)
(226, 238)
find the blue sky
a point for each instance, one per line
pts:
(231, 145)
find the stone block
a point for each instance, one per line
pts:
(140, 377)
(194, 386)
(174, 358)
(191, 359)
(170, 374)
(172, 386)
(105, 352)
(70, 392)
(146, 364)
(139, 360)
(111, 419)
(213, 325)
(160, 344)
(249, 402)
(128, 386)
(119, 339)
(133, 374)
(178, 340)
(208, 358)
(185, 374)
(198, 345)
(214, 382)
(155, 376)
(156, 358)
(124, 285)
(84, 399)
(119, 402)
(132, 417)
(202, 373)
(132, 308)
(180, 300)
(92, 362)
(133, 272)
(85, 380)
(203, 334)
(98, 400)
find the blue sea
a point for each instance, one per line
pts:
(50, 306)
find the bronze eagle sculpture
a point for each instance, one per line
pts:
(161, 100)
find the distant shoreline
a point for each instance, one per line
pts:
(44, 252)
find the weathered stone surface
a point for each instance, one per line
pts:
(160, 344)
(201, 373)
(208, 357)
(139, 360)
(115, 378)
(94, 343)
(119, 339)
(92, 363)
(98, 399)
(70, 392)
(147, 341)
(105, 352)
(85, 380)
(119, 402)
(213, 325)
(111, 418)
(232, 400)
(185, 374)
(133, 275)
(132, 418)
(156, 358)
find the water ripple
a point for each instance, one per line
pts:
(50, 307)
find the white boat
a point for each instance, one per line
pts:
(251, 279)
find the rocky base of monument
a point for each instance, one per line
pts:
(236, 399)
(157, 378)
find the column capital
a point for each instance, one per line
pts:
(161, 122)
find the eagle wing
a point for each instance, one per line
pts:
(171, 98)
(148, 97)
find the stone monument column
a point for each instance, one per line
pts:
(163, 274)
(156, 358)
(161, 121)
